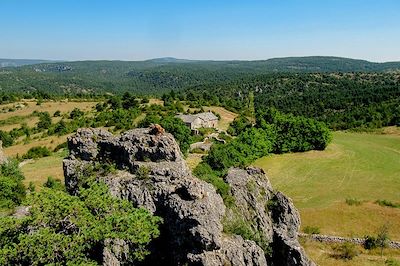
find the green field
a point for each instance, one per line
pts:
(355, 165)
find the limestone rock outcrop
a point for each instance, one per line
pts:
(152, 173)
(3, 158)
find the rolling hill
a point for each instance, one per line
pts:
(163, 74)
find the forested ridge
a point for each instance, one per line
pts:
(159, 75)
(342, 100)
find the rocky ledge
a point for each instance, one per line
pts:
(152, 173)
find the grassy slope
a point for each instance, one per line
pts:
(362, 166)
(39, 170)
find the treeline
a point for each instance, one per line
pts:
(342, 101)
(158, 76)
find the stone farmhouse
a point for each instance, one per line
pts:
(195, 121)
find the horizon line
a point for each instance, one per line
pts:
(205, 60)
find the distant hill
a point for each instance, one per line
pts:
(156, 76)
(20, 62)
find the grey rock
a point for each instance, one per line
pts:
(269, 214)
(152, 173)
(234, 251)
(115, 251)
(3, 158)
(286, 224)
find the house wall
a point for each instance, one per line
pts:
(197, 123)
(210, 124)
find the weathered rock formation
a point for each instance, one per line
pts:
(153, 174)
(3, 158)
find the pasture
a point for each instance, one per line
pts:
(361, 166)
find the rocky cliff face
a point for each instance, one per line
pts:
(153, 174)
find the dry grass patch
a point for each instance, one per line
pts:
(37, 171)
(50, 107)
(50, 142)
(193, 159)
(226, 116)
(321, 253)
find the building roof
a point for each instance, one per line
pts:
(207, 116)
(187, 118)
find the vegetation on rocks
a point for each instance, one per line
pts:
(70, 230)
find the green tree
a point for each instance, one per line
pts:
(70, 230)
(12, 190)
(44, 120)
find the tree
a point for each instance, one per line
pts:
(12, 190)
(70, 230)
(6, 139)
(179, 130)
(382, 237)
(76, 113)
(44, 120)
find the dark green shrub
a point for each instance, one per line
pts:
(76, 113)
(370, 242)
(6, 139)
(353, 202)
(68, 230)
(60, 146)
(44, 121)
(12, 190)
(386, 203)
(53, 183)
(37, 152)
(57, 113)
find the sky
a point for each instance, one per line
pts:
(199, 29)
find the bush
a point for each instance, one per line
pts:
(370, 242)
(69, 230)
(311, 230)
(53, 183)
(60, 146)
(387, 203)
(57, 113)
(44, 121)
(353, 202)
(6, 139)
(37, 152)
(76, 113)
(12, 190)
(204, 172)
(345, 251)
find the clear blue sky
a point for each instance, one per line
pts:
(199, 29)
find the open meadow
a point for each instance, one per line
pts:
(362, 167)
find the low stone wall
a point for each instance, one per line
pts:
(339, 239)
